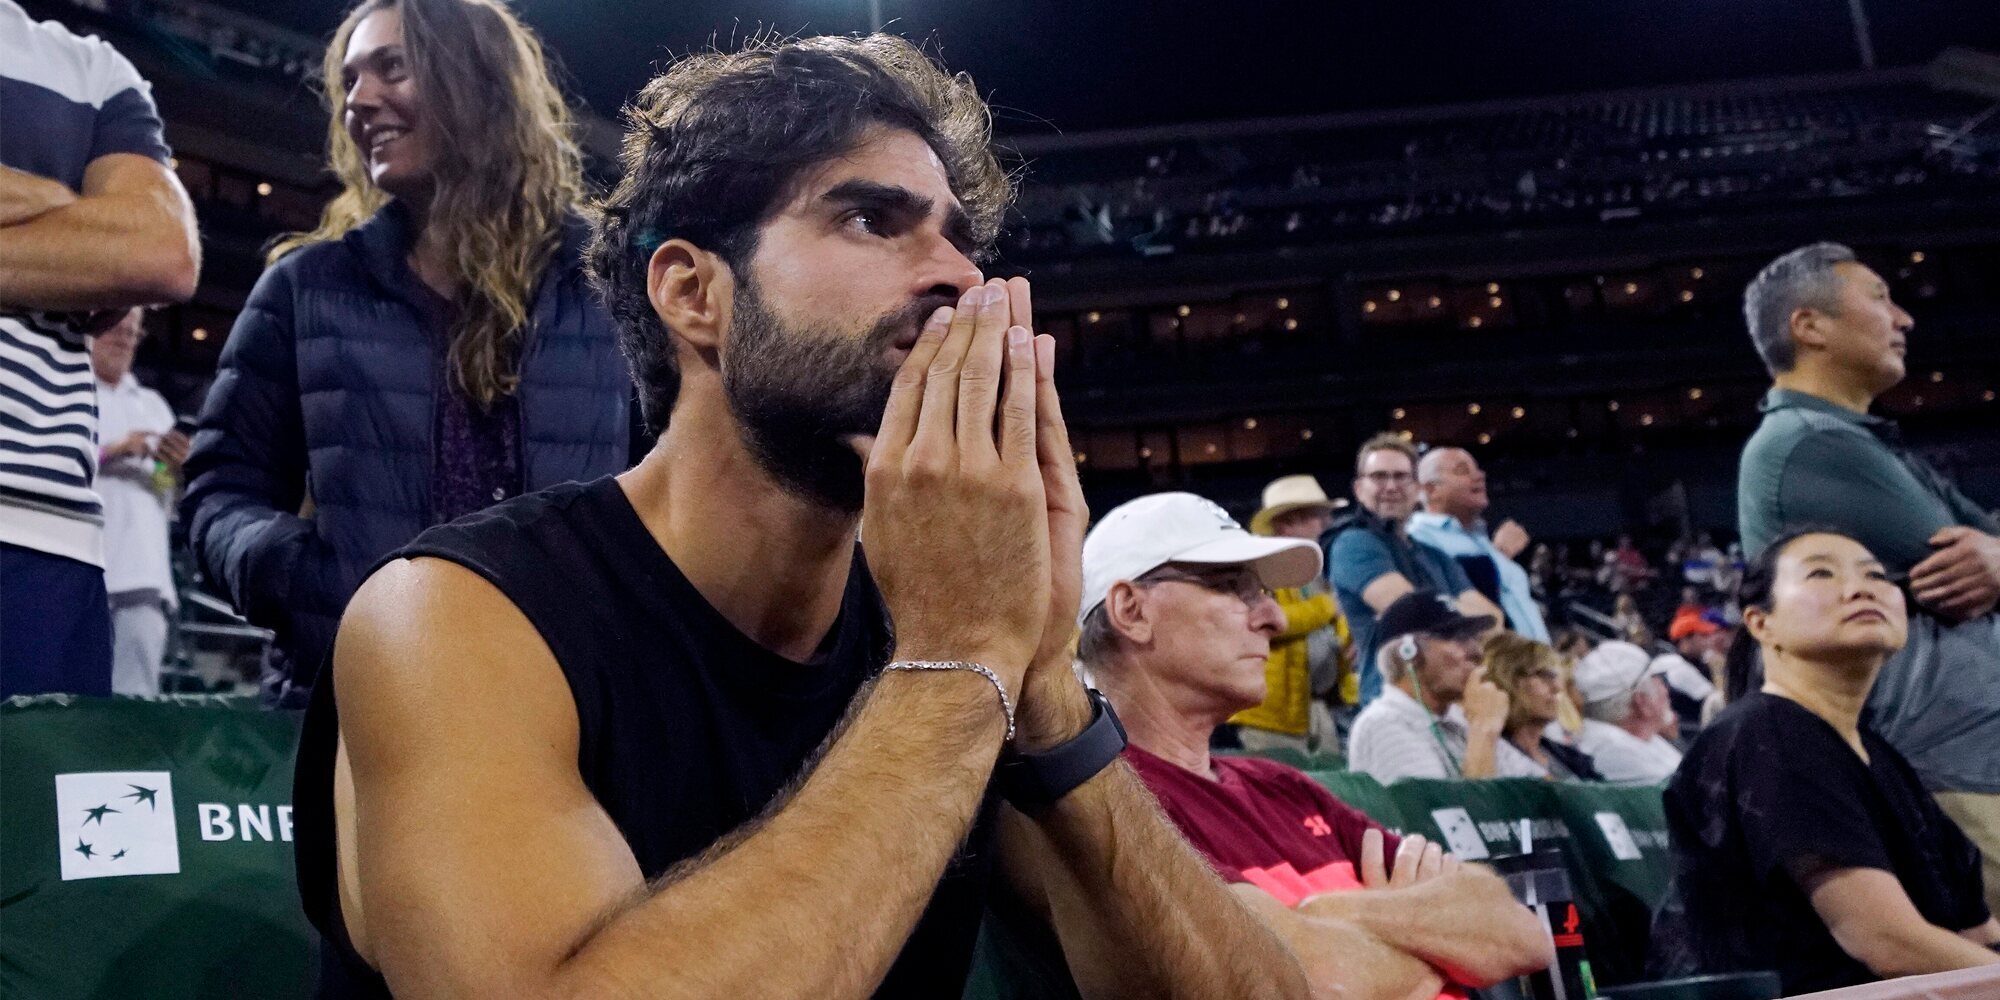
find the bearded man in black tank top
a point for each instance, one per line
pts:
(669, 733)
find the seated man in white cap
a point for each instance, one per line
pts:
(1177, 619)
(1438, 716)
(1625, 709)
(1311, 656)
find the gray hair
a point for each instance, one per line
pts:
(1427, 467)
(1802, 278)
(1095, 639)
(1393, 667)
(1615, 709)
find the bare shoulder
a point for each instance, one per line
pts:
(430, 650)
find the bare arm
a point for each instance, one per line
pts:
(486, 868)
(1985, 935)
(1339, 958)
(1474, 603)
(1385, 589)
(130, 240)
(1139, 914)
(1872, 918)
(1485, 707)
(24, 196)
(1463, 921)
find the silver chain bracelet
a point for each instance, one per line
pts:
(1006, 703)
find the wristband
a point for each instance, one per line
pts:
(1006, 703)
(1033, 780)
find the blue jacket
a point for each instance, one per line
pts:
(327, 389)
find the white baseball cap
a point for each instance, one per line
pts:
(1152, 531)
(1614, 669)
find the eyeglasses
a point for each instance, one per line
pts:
(1243, 584)
(1386, 478)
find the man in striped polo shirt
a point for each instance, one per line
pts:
(92, 222)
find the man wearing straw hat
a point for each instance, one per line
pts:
(1311, 656)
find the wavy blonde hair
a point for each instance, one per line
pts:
(508, 170)
(1509, 659)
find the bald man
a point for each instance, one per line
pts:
(1453, 490)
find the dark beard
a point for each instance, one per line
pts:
(800, 395)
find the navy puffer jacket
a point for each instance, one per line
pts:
(327, 389)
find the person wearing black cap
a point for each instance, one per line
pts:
(1438, 716)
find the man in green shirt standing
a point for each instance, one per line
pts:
(1834, 342)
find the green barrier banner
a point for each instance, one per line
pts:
(1620, 832)
(1362, 792)
(146, 851)
(1481, 819)
(1619, 836)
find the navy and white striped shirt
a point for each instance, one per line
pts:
(64, 101)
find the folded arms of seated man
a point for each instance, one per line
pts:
(1428, 921)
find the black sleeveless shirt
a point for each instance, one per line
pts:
(688, 729)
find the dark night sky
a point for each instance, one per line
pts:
(1077, 65)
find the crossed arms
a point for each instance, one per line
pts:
(128, 239)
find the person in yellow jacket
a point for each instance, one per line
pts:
(1312, 658)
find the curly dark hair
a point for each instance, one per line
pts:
(714, 142)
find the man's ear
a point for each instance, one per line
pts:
(1807, 327)
(1126, 610)
(691, 290)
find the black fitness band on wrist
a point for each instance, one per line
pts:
(1034, 780)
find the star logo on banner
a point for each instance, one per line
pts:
(102, 830)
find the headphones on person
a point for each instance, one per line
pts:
(1408, 651)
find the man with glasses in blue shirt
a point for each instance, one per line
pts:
(1371, 560)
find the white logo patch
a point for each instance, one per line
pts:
(116, 823)
(1461, 835)
(1618, 837)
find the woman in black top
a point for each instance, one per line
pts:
(1803, 842)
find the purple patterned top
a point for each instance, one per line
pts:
(477, 458)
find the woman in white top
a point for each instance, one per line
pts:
(1530, 673)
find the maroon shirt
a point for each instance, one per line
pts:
(1267, 825)
(1264, 823)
